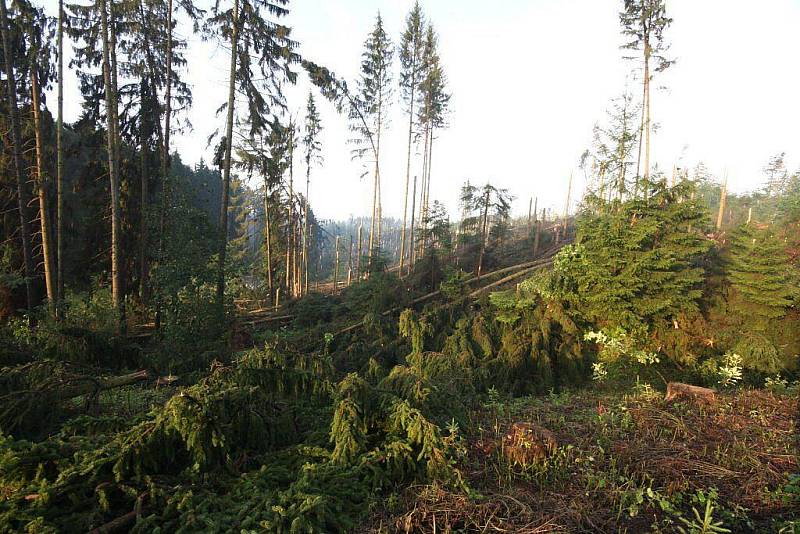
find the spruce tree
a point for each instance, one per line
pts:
(760, 274)
(312, 147)
(643, 23)
(374, 98)
(261, 55)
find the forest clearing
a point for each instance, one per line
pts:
(252, 283)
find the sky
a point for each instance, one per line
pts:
(529, 80)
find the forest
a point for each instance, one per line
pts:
(186, 346)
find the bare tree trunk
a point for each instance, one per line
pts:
(267, 240)
(16, 140)
(358, 255)
(336, 267)
(566, 205)
(723, 197)
(144, 293)
(44, 197)
(408, 177)
(483, 232)
(647, 117)
(60, 163)
(374, 213)
(530, 212)
(290, 209)
(305, 231)
(165, 156)
(421, 219)
(226, 171)
(536, 237)
(412, 248)
(108, 37)
(350, 263)
(428, 178)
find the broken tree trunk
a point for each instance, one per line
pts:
(678, 390)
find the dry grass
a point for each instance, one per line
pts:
(620, 459)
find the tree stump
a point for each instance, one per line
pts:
(680, 391)
(527, 443)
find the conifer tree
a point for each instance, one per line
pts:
(643, 23)
(374, 98)
(760, 274)
(313, 147)
(255, 43)
(411, 62)
(23, 195)
(433, 109)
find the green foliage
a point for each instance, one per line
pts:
(761, 276)
(638, 264)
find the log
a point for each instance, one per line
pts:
(92, 385)
(527, 443)
(678, 390)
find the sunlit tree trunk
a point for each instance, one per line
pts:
(165, 156)
(43, 188)
(226, 171)
(408, 177)
(60, 162)
(113, 155)
(16, 140)
(411, 247)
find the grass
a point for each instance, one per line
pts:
(625, 463)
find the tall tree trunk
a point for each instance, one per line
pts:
(290, 211)
(165, 156)
(44, 196)
(647, 127)
(305, 231)
(723, 197)
(350, 263)
(408, 173)
(336, 267)
(16, 139)
(374, 213)
(113, 157)
(267, 241)
(360, 251)
(411, 247)
(60, 163)
(484, 232)
(421, 221)
(566, 204)
(428, 178)
(144, 178)
(226, 172)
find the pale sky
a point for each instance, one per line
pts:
(529, 80)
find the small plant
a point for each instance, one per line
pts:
(599, 372)
(730, 371)
(704, 524)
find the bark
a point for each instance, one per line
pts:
(723, 197)
(358, 254)
(144, 178)
(412, 248)
(336, 267)
(60, 162)
(16, 140)
(268, 239)
(421, 220)
(484, 225)
(226, 173)
(108, 37)
(290, 210)
(165, 157)
(305, 231)
(44, 196)
(408, 171)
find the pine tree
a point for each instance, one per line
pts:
(644, 23)
(411, 62)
